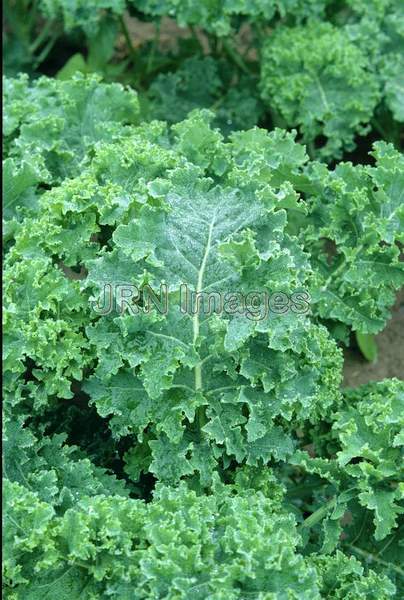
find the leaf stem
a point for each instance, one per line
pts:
(379, 128)
(218, 103)
(131, 48)
(235, 56)
(196, 36)
(311, 149)
(201, 418)
(319, 514)
(373, 557)
(152, 54)
(41, 37)
(333, 274)
(199, 287)
(46, 50)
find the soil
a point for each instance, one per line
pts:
(390, 361)
(170, 33)
(142, 32)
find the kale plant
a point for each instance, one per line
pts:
(174, 424)
(191, 235)
(332, 70)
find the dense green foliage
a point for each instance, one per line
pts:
(208, 453)
(332, 69)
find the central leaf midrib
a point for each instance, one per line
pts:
(199, 288)
(322, 94)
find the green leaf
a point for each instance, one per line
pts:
(367, 345)
(320, 82)
(75, 63)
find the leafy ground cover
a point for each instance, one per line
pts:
(212, 448)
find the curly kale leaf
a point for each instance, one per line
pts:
(235, 543)
(366, 474)
(55, 124)
(378, 29)
(221, 17)
(205, 83)
(357, 224)
(85, 15)
(231, 244)
(220, 404)
(321, 83)
(57, 472)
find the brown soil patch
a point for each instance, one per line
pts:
(390, 362)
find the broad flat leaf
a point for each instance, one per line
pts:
(367, 345)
